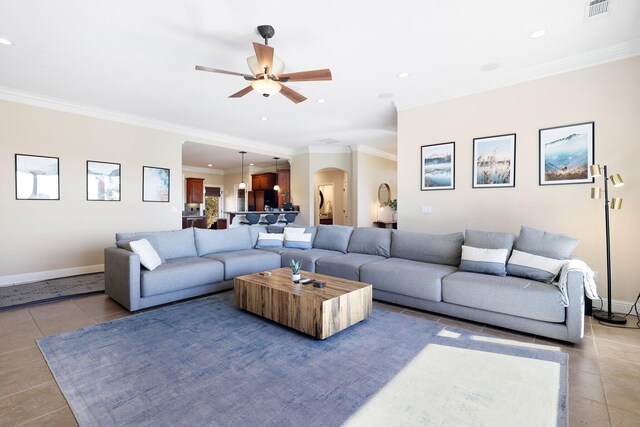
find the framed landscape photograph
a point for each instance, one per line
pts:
(103, 181)
(494, 161)
(566, 152)
(37, 177)
(437, 166)
(155, 184)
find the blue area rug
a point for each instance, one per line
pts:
(205, 362)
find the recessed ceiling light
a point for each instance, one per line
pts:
(403, 75)
(264, 118)
(385, 95)
(320, 101)
(490, 67)
(538, 34)
(252, 164)
(210, 165)
(5, 42)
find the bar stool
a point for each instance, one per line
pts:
(290, 217)
(253, 218)
(272, 218)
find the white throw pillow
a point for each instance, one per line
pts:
(293, 230)
(149, 258)
(486, 261)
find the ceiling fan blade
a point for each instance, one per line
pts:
(264, 54)
(243, 92)
(306, 76)
(291, 94)
(231, 73)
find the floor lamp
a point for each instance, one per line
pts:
(615, 203)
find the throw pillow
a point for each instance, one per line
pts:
(270, 240)
(534, 267)
(297, 240)
(291, 230)
(543, 243)
(149, 258)
(486, 261)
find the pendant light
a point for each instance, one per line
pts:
(242, 185)
(276, 187)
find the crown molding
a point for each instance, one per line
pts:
(616, 52)
(361, 148)
(321, 149)
(212, 138)
(196, 169)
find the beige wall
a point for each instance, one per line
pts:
(335, 177)
(301, 188)
(607, 94)
(72, 232)
(370, 172)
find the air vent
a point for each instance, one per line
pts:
(329, 141)
(596, 9)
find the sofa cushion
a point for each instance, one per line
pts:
(297, 240)
(149, 258)
(489, 239)
(168, 244)
(405, 277)
(370, 240)
(247, 261)
(217, 241)
(269, 240)
(481, 260)
(307, 257)
(333, 237)
(178, 274)
(507, 295)
(346, 266)
(545, 244)
(432, 248)
(535, 267)
(254, 233)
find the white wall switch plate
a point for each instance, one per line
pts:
(426, 209)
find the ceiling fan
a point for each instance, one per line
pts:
(267, 70)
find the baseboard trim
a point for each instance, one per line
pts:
(17, 279)
(617, 306)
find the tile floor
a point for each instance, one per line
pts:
(604, 371)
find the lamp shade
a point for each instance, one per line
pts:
(594, 170)
(616, 203)
(276, 68)
(616, 180)
(266, 86)
(596, 192)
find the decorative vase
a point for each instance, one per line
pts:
(295, 277)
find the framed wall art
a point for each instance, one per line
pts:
(494, 161)
(155, 184)
(103, 181)
(566, 152)
(437, 166)
(37, 177)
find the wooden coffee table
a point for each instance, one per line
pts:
(319, 312)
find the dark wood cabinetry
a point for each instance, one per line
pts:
(263, 181)
(284, 195)
(195, 190)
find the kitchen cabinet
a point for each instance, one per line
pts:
(195, 190)
(263, 181)
(284, 178)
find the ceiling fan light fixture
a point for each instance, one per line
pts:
(266, 86)
(276, 68)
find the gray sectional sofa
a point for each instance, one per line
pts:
(416, 270)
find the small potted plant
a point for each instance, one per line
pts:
(295, 270)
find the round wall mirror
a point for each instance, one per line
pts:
(384, 194)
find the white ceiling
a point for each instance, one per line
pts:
(138, 58)
(203, 155)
